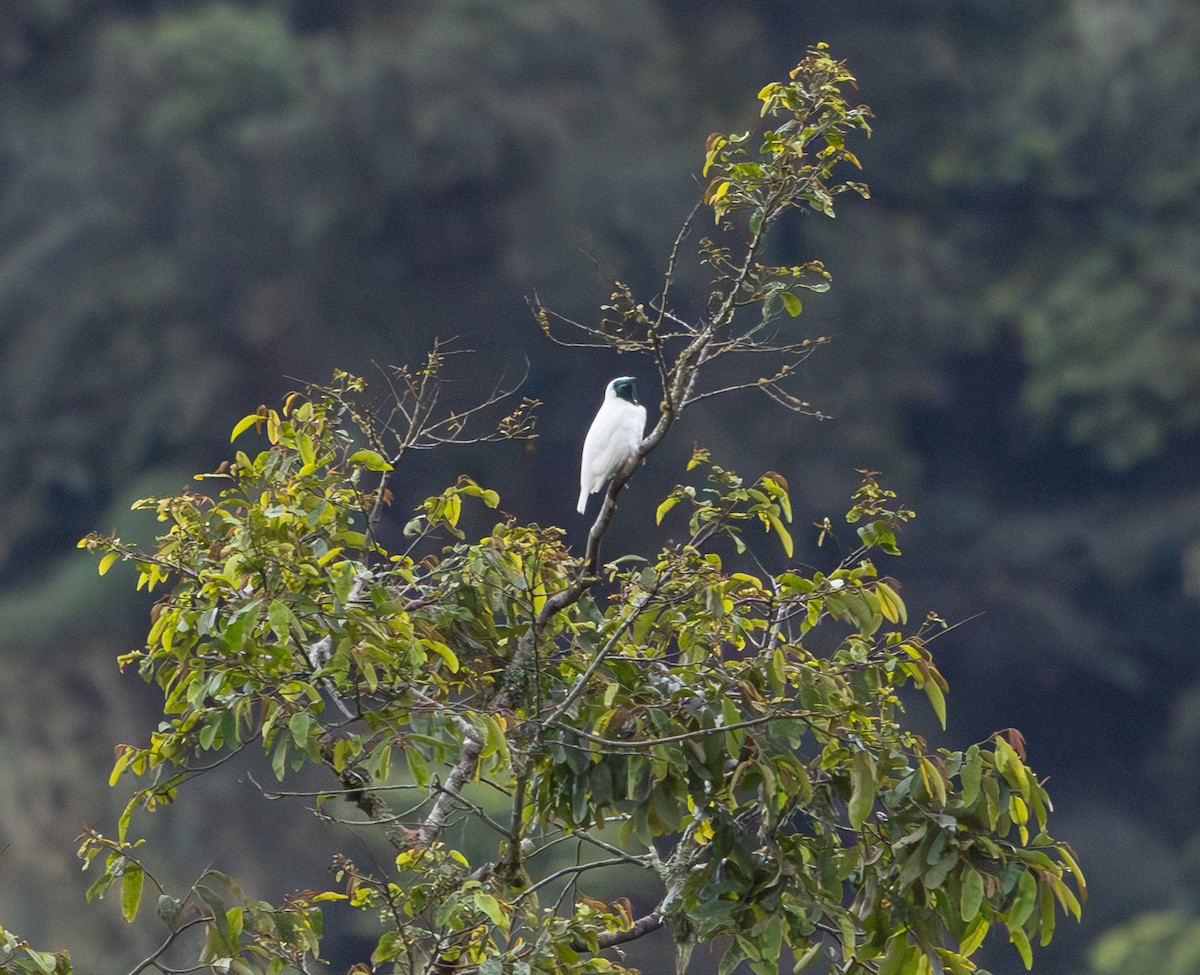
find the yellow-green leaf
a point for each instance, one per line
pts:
(1018, 937)
(976, 931)
(445, 653)
(663, 508)
(46, 962)
(791, 303)
(1074, 868)
(308, 454)
(493, 737)
(372, 460)
(937, 699)
(244, 424)
(491, 907)
(106, 563)
(131, 890)
(933, 781)
(121, 762)
(776, 487)
(1070, 903)
(890, 603)
(895, 959)
(784, 537)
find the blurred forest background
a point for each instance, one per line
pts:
(199, 200)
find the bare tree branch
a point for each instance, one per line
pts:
(568, 871)
(462, 773)
(642, 926)
(151, 960)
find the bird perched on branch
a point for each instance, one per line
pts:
(613, 438)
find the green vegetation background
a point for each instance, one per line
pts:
(198, 200)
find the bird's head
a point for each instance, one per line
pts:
(623, 388)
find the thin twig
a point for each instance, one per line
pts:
(700, 733)
(567, 871)
(152, 958)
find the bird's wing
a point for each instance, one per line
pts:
(618, 437)
(593, 448)
(603, 446)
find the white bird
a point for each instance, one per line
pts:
(613, 438)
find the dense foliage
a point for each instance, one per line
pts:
(732, 734)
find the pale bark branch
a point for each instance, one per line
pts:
(463, 772)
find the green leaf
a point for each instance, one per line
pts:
(972, 895)
(298, 725)
(936, 875)
(971, 773)
(209, 729)
(895, 959)
(734, 956)
(1024, 901)
(805, 961)
(937, 699)
(43, 961)
(491, 907)
(234, 919)
(862, 788)
(417, 766)
(794, 583)
(372, 460)
(101, 885)
(169, 908)
(131, 890)
(387, 949)
(791, 303)
(278, 617)
(1046, 918)
(1018, 937)
(279, 757)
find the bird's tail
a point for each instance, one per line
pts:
(583, 496)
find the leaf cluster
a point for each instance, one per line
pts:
(691, 707)
(729, 738)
